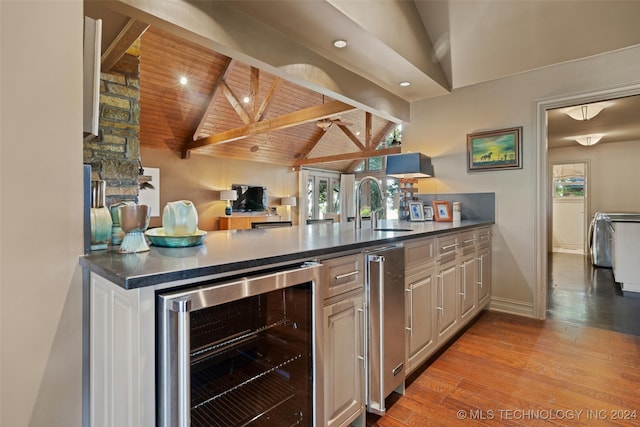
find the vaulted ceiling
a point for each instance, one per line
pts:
(229, 109)
(279, 54)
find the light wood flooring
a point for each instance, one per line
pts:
(510, 370)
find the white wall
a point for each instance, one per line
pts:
(439, 127)
(614, 174)
(200, 179)
(41, 213)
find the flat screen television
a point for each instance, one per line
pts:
(250, 198)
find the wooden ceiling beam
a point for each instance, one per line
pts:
(352, 137)
(311, 145)
(235, 103)
(131, 32)
(277, 123)
(212, 98)
(368, 124)
(254, 87)
(348, 156)
(266, 102)
(383, 133)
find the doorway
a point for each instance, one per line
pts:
(569, 199)
(544, 257)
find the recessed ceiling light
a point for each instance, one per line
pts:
(340, 43)
(183, 80)
(246, 99)
(405, 84)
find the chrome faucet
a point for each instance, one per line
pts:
(374, 213)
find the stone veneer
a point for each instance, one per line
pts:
(114, 153)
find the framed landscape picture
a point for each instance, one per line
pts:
(494, 150)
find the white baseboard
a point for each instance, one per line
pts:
(510, 306)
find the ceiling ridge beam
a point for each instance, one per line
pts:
(348, 156)
(131, 32)
(277, 123)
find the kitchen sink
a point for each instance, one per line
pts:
(392, 229)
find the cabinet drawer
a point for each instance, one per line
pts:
(343, 274)
(419, 253)
(483, 236)
(467, 242)
(446, 246)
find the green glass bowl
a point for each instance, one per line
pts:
(158, 237)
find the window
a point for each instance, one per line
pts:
(568, 187)
(323, 193)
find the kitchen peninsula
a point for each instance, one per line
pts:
(447, 275)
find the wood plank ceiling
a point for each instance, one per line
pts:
(278, 124)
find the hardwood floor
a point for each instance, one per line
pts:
(510, 370)
(581, 293)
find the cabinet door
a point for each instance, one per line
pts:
(421, 295)
(447, 300)
(344, 360)
(484, 276)
(468, 280)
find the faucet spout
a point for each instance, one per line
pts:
(358, 202)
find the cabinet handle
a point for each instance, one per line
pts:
(362, 333)
(480, 272)
(445, 248)
(182, 309)
(470, 241)
(441, 277)
(342, 276)
(410, 327)
(463, 267)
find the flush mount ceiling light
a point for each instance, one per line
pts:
(588, 140)
(584, 112)
(246, 99)
(183, 80)
(340, 44)
(405, 84)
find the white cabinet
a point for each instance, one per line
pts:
(344, 360)
(447, 300)
(343, 331)
(483, 267)
(625, 253)
(468, 283)
(483, 273)
(447, 283)
(122, 352)
(468, 278)
(420, 289)
(421, 322)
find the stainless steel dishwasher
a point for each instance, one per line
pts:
(386, 328)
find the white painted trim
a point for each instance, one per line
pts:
(511, 306)
(541, 182)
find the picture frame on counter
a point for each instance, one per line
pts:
(428, 213)
(494, 150)
(442, 211)
(416, 211)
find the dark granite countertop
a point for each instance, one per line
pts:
(224, 252)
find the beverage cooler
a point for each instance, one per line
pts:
(240, 352)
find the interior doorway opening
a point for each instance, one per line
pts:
(569, 213)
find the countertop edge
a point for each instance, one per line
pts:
(100, 265)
